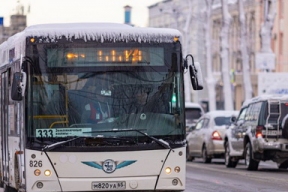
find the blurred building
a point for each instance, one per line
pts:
(18, 22)
(253, 24)
(254, 14)
(173, 14)
(127, 14)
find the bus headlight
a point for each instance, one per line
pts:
(47, 172)
(168, 170)
(37, 172)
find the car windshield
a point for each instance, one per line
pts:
(192, 113)
(219, 121)
(127, 102)
(71, 96)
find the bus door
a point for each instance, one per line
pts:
(4, 126)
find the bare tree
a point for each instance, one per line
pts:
(265, 59)
(244, 52)
(175, 10)
(267, 26)
(228, 101)
(186, 35)
(210, 80)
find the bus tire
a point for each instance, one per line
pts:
(9, 189)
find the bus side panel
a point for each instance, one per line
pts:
(13, 143)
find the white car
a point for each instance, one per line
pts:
(193, 111)
(207, 139)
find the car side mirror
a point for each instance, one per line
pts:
(192, 128)
(233, 119)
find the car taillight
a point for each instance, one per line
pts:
(259, 129)
(216, 136)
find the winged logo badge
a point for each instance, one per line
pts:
(109, 165)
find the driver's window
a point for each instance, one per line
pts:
(242, 114)
(199, 125)
(205, 123)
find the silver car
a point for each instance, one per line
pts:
(260, 133)
(206, 140)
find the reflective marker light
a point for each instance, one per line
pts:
(47, 172)
(168, 170)
(177, 169)
(174, 182)
(39, 185)
(37, 172)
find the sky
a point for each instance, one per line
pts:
(69, 11)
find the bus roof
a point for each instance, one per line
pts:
(103, 31)
(88, 31)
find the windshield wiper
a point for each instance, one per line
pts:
(57, 144)
(158, 141)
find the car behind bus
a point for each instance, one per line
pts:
(193, 111)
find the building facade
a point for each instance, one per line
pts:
(174, 14)
(18, 22)
(254, 16)
(235, 58)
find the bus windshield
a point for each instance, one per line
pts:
(85, 91)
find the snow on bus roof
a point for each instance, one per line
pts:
(100, 31)
(103, 31)
(87, 31)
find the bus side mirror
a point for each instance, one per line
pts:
(18, 86)
(195, 73)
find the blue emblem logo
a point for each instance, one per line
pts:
(109, 165)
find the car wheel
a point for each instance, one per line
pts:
(250, 163)
(283, 165)
(205, 157)
(228, 160)
(188, 156)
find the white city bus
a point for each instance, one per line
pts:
(47, 144)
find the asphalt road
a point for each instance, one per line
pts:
(215, 177)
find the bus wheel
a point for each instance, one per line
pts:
(9, 189)
(283, 165)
